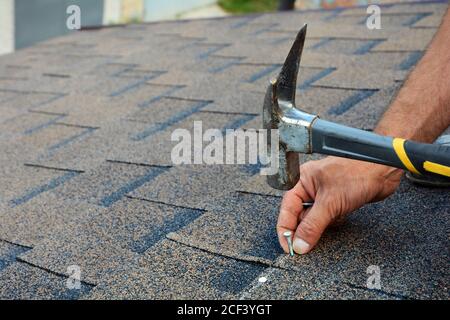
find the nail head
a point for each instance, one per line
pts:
(287, 233)
(262, 279)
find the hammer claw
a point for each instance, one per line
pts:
(287, 79)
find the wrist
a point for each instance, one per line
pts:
(382, 180)
(372, 171)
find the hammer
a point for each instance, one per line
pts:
(301, 132)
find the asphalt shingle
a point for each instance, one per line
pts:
(22, 281)
(113, 236)
(288, 285)
(173, 271)
(237, 216)
(195, 186)
(88, 179)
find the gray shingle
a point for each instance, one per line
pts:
(288, 285)
(108, 238)
(22, 281)
(173, 271)
(226, 230)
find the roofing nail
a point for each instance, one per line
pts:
(288, 236)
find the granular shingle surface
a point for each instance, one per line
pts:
(87, 177)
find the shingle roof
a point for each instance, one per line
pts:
(87, 179)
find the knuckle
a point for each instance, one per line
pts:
(279, 228)
(308, 166)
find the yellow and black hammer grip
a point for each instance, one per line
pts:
(342, 141)
(422, 158)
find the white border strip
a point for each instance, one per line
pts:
(7, 42)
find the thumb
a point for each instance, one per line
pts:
(311, 228)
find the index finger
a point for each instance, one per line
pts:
(290, 210)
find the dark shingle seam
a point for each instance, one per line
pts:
(321, 74)
(164, 203)
(181, 218)
(48, 113)
(61, 275)
(44, 125)
(246, 20)
(247, 259)
(368, 46)
(13, 78)
(259, 194)
(411, 60)
(266, 28)
(112, 198)
(139, 164)
(51, 168)
(136, 84)
(172, 89)
(169, 122)
(341, 88)
(419, 16)
(75, 125)
(215, 48)
(377, 291)
(230, 113)
(350, 102)
(69, 140)
(56, 75)
(52, 184)
(266, 71)
(10, 256)
(233, 62)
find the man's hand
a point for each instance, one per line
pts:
(337, 186)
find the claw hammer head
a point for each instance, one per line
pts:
(293, 125)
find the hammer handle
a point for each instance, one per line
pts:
(425, 158)
(342, 141)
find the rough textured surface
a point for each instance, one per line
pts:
(174, 271)
(292, 285)
(23, 281)
(87, 179)
(236, 217)
(115, 237)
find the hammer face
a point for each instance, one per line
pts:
(288, 172)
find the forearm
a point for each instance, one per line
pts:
(421, 110)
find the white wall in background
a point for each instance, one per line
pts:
(6, 26)
(170, 9)
(111, 11)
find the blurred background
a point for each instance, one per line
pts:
(24, 22)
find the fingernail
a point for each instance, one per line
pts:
(301, 246)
